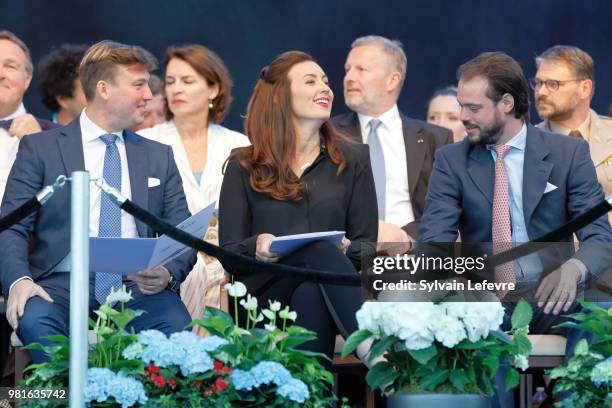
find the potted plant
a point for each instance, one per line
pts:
(586, 379)
(441, 354)
(233, 367)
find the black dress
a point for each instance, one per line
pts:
(344, 202)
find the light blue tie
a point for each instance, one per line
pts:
(377, 158)
(110, 215)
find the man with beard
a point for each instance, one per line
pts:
(564, 86)
(509, 182)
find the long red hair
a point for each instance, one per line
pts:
(272, 134)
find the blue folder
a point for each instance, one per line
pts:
(127, 256)
(286, 244)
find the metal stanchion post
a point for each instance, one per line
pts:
(79, 287)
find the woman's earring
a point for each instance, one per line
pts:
(210, 104)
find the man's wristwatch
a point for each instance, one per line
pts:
(173, 285)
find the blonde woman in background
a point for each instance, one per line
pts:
(198, 94)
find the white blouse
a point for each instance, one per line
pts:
(221, 141)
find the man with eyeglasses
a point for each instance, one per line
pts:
(564, 86)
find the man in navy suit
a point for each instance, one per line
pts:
(543, 181)
(115, 81)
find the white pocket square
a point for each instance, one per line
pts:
(549, 188)
(153, 182)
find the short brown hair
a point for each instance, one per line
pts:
(208, 64)
(101, 58)
(505, 76)
(7, 35)
(576, 59)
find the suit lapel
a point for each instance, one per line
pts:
(137, 165)
(536, 172)
(71, 147)
(415, 151)
(481, 169)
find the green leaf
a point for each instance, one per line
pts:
(381, 374)
(424, 355)
(500, 335)
(512, 378)
(558, 372)
(434, 379)
(492, 363)
(523, 344)
(486, 384)
(522, 314)
(480, 344)
(582, 348)
(354, 340)
(459, 379)
(379, 347)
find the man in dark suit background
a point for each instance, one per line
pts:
(509, 182)
(401, 148)
(115, 81)
(15, 78)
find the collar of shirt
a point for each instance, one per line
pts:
(90, 131)
(584, 128)
(517, 142)
(390, 120)
(20, 111)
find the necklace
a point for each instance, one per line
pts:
(309, 162)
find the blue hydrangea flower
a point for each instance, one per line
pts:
(133, 351)
(97, 387)
(211, 343)
(295, 390)
(267, 372)
(197, 362)
(243, 380)
(127, 391)
(602, 373)
(151, 337)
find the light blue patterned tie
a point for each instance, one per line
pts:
(377, 158)
(110, 214)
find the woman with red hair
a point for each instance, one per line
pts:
(299, 176)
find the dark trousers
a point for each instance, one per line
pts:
(326, 309)
(164, 311)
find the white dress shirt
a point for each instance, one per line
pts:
(398, 209)
(94, 150)
(8, 150)
(220, 143)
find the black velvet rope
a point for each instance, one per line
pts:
(237, 264)
(557, 235)
(27, 208)
(240, 265)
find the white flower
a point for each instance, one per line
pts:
(250, 303)
(521, 361)
(479, 318)
(269, 314)
(287, 314)
(121, 295)
(409, 321)
(101, 314)
(259, 318)
(237, 289)
(274, 305)
(270, 327)
(448, 330)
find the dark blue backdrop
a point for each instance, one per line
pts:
(437, 35)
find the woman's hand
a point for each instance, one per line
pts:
(343, 246)
(262, 250)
